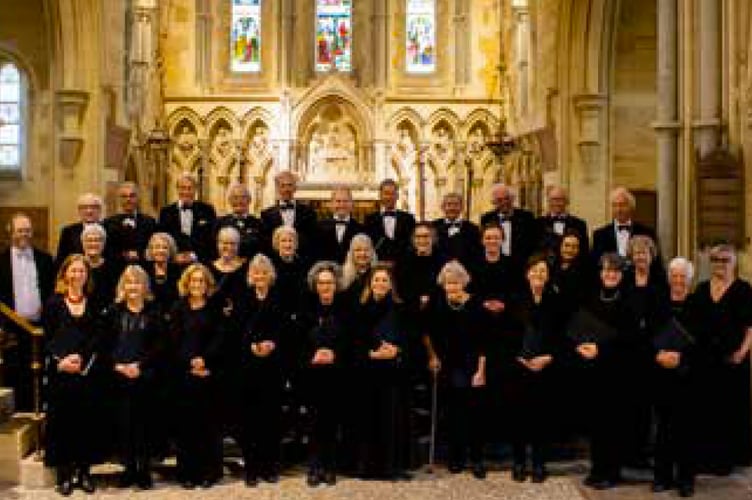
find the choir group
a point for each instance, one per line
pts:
(170, 334)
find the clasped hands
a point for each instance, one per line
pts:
(537, 363)
(323, 356)
(263, 349)
(494, 305)
(198, 367)
(385, 351)
(70, 364)
(588, 350)
(128, 370)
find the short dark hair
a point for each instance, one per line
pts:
(387, 182)
(612, 260)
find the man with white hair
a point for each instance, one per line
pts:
(89, 212)
(558, 220)
(615, 236)
(519, 225)
(240, 217)
(336, 232)
(190, 222)
(456, 237)
(128, 231)
(289, 212)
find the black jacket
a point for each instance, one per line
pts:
(45, 276)
(200, 241)
(386, 248)
(304, 224)
(327, 246)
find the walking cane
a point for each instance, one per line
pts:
(434, 405)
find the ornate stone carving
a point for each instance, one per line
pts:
(441, 151)
(259, 150)
(185, 148)
(223, 154)
(403, 153)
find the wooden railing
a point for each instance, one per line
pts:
(37, 364)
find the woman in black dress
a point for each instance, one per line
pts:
(492, 280)
(673, 389)
(261, 374)
(356, 269)
(324, 323)
(571, 273)
(163, 272)
(722, 316)
(104, 271)
(134, 331)
(229, 269)
(521, 370)
(382, 396)
(602, 332)
(456, 352)
(73, 328)
(197, 333)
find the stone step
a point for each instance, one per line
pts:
(7, 404)
(18, 439)
(34, 475)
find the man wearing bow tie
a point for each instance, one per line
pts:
(128, 231)
(248, 225)
(456, 238)
(335, 232)
(26, 276)
(614, 236)
(190, 222)
(89, 212)
(289, 212)
(390, 229)
(518, 224)
(551, 227)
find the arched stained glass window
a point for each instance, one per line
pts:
(333, 35)
(245, 38)
(11, 120)
(420, 40)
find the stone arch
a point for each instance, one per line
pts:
(218, 116)
(252, 116)
(405, 116)
(479, 117)
(181, 115)
(444, 115)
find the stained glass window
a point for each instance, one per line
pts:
(333, 35)
(245, 39)
(10, 117)
(421, 36)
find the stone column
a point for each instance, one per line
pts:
(666, 126)
(461, 42)
(203, 42)
(286, 45)
(709, 75)
(380, 43)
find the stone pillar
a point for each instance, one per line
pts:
(203, 42)
(709, 75)
(666, 126)
(286, 45)
(380, 43)
(462, 56)
(590, 182)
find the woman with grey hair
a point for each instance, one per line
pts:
(456, 352)
(358, 263)
(324, 324)
(722, 316)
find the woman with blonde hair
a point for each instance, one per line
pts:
(162, 269)
(73, 331)
(360, 258)
(197, 332)
(134, 330)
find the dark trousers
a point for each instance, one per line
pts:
(465, 427)
(675, 437)
(261, 428)
(131, 399)
(199, 443)
(323, 405)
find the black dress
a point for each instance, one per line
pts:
(261, 384)
(325, 325)
(164, 287)
(605, 380)
(673, 392)
(197, 333)
(104, 280)
(523, 397)
(457, 333)
(133, 338)
(73, 411)
(723, 389)
(382, 397)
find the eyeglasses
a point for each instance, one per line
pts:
(720, 260)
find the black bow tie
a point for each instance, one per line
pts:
(183, 208)
(286, 205)
(389, 213)
(559, 218)
(623, 227)
(340, 222)
(454, 223)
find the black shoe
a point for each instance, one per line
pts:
(65, 487)
(251, 480)
(456, 468)
(208, 483)
(403, 476)
(479, 470)
(127, 478)
(272, 477)
(330, 478)
(144, 481)
(86, 482)
(539, 474)
(314, 478)
(590, 480)
(519, 473)
(686, 489)
(188, 484)
(603, 484)
(659, 486)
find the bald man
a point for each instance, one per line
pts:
(128, 231)
(520, 229)
(557, 221)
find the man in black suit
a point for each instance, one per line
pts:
(391, 230)
(26, 280)
(614, 236)
(336, 232)
(190, 222)
(518, 224)
(248, 225)
(551, 227)
(456, 238)
(89, 212)
(289, 212)
(128, 232)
